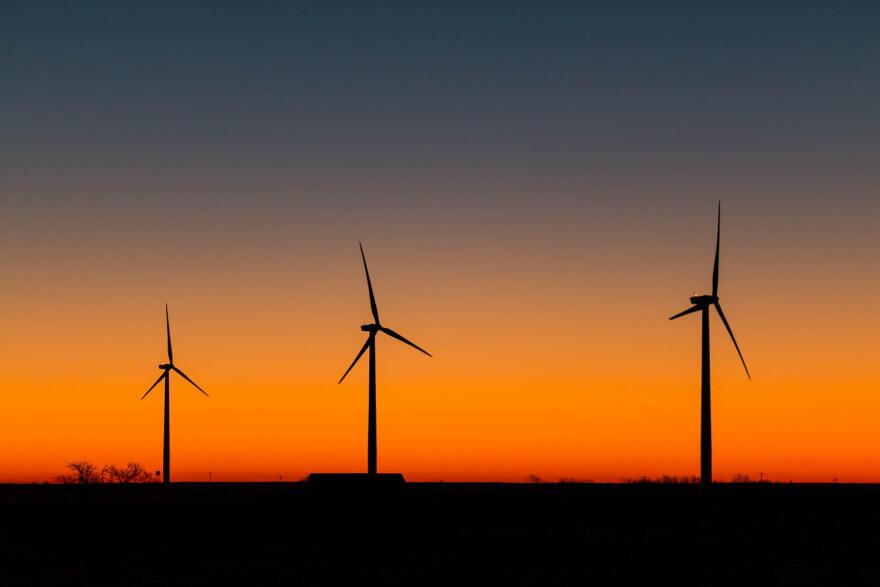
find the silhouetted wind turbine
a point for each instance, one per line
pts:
(702, 304)
(166, 375)
(372, 330)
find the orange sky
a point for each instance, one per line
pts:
(553, 355)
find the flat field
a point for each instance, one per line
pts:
(439, 533)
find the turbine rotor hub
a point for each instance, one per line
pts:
(370, 327)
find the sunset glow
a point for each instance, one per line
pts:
(533, 204)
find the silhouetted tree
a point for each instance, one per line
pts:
(84, 473)
(131, 473)
(662, 479)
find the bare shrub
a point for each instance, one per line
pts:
(83, 473)
(131, 473)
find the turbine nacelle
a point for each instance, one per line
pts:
(704, 300)
(166, 366)
(372, 328)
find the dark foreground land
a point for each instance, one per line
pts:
(293, 534)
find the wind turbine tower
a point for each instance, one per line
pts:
(167, 368)
(372, 330)
(703, 304)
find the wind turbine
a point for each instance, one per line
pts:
(372, 330)
(702, 304)
(167, 368)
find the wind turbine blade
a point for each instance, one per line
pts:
(393, 334)
(182, 374)
(717, 247)
(370, 286)
(726, 325)
(168, 331)
(359, 355)
(688, 311)
(161, 377)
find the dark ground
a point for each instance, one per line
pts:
(548, 534)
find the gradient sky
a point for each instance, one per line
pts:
(535, 186)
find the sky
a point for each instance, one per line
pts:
(535, 186)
